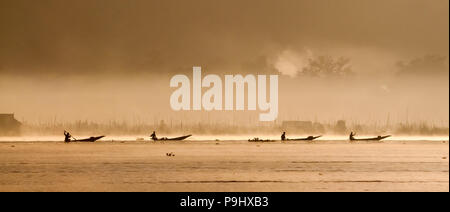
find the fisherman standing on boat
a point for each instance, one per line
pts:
(351, 137)
(283, 136)
(153, 136)
(67, 136)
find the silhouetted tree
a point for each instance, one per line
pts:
(327, 66)
(427, 65)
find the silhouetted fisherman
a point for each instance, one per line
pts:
(153, 136)
(351, 137)
(283, 136)
(67, 136)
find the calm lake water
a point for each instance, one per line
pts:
(224, 166)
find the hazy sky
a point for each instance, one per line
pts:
(85, 36)
(96, 59)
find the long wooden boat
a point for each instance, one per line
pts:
(172, 139)
(90, 139)
(378, 138)
(309, 138)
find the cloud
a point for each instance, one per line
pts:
(291, 62)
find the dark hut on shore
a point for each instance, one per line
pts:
(9, 125)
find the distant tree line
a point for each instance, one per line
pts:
(428, 65)
(327, 66)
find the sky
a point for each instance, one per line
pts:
(116, 36)
(105, 60)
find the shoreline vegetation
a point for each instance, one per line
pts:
(178, 127)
